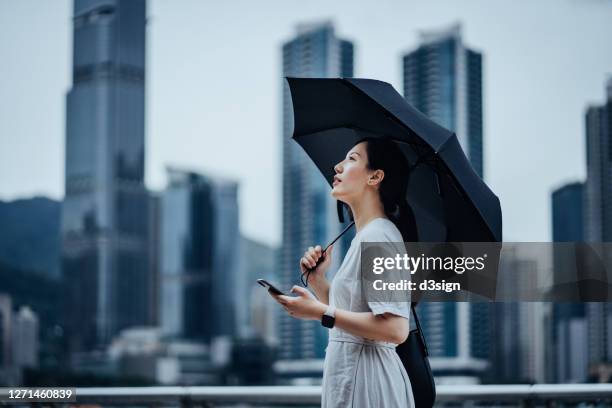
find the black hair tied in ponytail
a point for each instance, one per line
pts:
(407, 220)
(385, 154)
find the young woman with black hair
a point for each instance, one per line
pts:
(362, 368)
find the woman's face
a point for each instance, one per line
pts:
(352, 175)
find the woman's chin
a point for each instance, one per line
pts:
(336, 194)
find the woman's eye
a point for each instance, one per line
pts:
(352, 158)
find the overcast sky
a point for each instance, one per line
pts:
(213, 90)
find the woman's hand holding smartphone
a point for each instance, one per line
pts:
(271, 288)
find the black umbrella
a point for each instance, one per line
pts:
(450, 202)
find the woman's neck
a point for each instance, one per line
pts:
(367, 209)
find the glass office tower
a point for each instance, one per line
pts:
(567, 351)
(104, 218)
(199, 249)
(598, 216)
(309, 211)
(443, 79)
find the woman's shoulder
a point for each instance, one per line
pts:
(380, 230)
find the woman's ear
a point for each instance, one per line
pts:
(376, 177)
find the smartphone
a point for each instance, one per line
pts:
(271, 287)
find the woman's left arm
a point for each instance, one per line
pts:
(384, 327)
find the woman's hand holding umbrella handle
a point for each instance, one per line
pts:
(316, 261)
(313, 266)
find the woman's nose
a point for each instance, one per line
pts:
(338, 168)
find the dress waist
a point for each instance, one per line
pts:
(338, 336)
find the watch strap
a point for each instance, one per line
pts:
(329, 317)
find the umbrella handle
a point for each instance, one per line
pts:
(308, 271)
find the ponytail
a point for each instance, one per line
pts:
(406, 222)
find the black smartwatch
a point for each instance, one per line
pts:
(329, 317)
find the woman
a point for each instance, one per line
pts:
(362, 368)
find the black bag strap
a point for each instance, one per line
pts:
(418, 326)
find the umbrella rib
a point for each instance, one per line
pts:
(382, 109)
(396, 120)
(416, 146)
(390, 137)
(295, 136)
(352, 127)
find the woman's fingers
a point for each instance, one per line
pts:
(312, 261)
(311, 252)
(285, 304)
(311, 257)
(305, 262)
(308, 261)
(279, 299)
(285, 300)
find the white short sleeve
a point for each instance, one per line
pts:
(386, 233)
(397, 308)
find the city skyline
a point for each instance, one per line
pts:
(167, 264)
(183, 131)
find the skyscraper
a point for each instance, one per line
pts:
(104, 216)
(199, 250)
(566, 328)
(309, 211)
(518, 352)
(598, 216)
(567, 213)
(598, 186)
(443, 79)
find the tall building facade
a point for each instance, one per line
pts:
(598, 186)
(199, 249)
(443, 79)
(104, 215)
(518, 353)
(598, 216)
(567, 213)
(154, 226)
(309, 212)
(566, 327)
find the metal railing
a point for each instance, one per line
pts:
(311, 395)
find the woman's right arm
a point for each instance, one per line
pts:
(316, 279)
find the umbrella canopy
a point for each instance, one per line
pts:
(450, 202)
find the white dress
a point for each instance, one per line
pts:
(360, 372)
